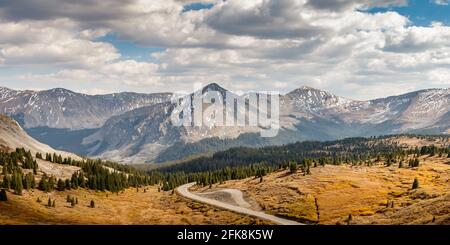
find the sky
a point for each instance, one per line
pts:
(361, 49)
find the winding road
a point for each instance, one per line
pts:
(238, 197)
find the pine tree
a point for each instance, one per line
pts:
(60, 185)
(17, 183)
(415, 184)
(349, 219)
(6, 182)
(293, 167)
(49, 202)
(3, 196)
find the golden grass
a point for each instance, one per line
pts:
(364, 192)
(129, 207)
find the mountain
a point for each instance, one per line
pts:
(146, 134)
(138, 128)
(140, 135)
(61, 108)
(12, 136)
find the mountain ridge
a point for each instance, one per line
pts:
(140, 134)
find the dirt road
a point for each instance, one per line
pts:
(238, 198)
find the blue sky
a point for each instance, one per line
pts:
(131, 50)
(421, 12)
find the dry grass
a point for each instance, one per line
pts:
(412, 141)
(361, 191)
(129, 207)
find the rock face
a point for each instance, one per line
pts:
(305, 114)
(138, 128)
(61, 108)
(12, 136)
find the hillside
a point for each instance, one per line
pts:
(12, 136)
(137, 128)
(371, 195)
(147, 135)
(64, 109)
(128, 207)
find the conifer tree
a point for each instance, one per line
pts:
(293, 167)
(60, 185)
(3, 196)
(6, 182)
(49, 202)
(415, 184)
(349, 219)
(17, 183)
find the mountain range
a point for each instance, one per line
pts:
(137, 128)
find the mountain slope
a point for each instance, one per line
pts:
(146, 133)
(12, 136)
(61, 108)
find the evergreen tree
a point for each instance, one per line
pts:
(60, 185)
(415, 184)
(67, 184)
(6, 182)
(349, 219)
(3, 196)
(49, 202)
(293, 167)
(17, 183)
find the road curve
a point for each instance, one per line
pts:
(235, 194)
(184, 191)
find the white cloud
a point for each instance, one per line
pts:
(441, 2)
(253, 44)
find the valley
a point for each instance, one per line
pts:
(392, 179)
(134, 128)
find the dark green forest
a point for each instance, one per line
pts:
(20, 168)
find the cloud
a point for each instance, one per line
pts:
(51, 43)
(441, 2)
(340, 5)
(253, 44)
(263, 19)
